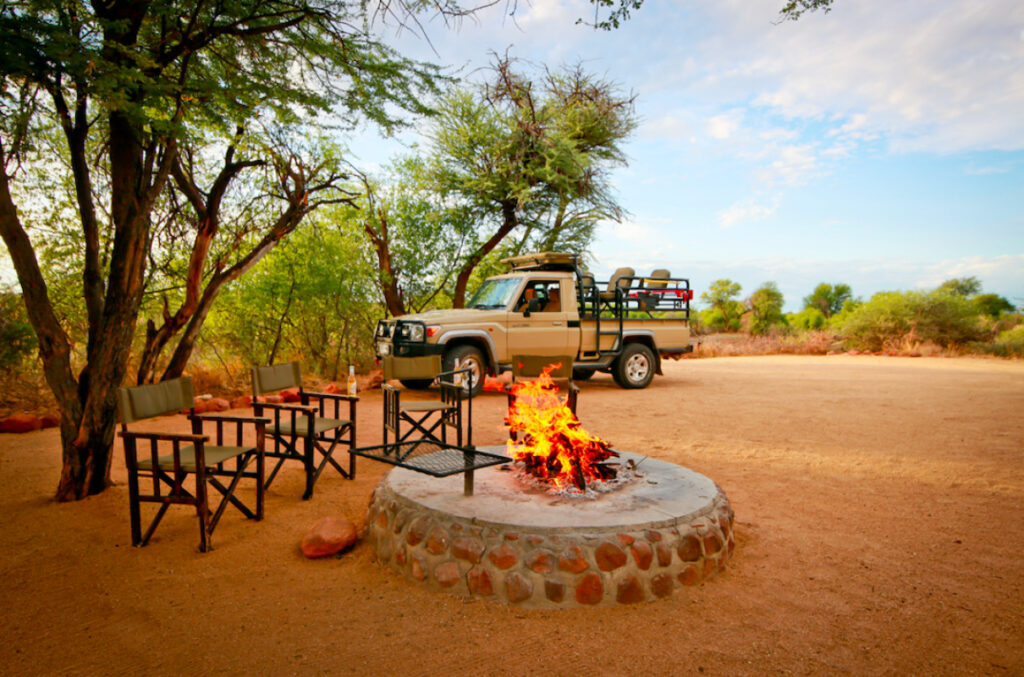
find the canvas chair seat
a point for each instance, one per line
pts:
(426, 405)
(619, 281)
(169, 473)
(294, 440)
(320, 425)
(214, 456)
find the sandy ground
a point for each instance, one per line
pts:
(879, 520)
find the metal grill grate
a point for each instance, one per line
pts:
(431, 458)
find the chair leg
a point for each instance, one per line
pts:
(134, 508)
(307, 462)
(203, 512)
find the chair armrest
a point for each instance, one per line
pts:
(231, 418)
(290, 406)
(332, 396)
(169, 437)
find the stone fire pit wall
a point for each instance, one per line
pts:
(547, 566)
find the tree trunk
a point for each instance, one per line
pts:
(509, 222)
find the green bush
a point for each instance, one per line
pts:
(1009, 343)
(17, 338)
(808, 319)
(897, 320)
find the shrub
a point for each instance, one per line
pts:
(17, 338)
(898, 320)
(807, 319)
(1009, 343)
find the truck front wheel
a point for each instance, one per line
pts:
(463, 357)
(635, 367)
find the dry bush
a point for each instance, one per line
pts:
(25, 392)
(806, 343)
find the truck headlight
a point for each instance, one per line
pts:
(413, 332)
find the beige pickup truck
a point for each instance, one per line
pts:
(546, 309)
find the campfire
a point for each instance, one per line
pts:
(547, 441)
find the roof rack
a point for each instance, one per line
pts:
(543, 261)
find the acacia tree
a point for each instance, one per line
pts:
(134, 78)
(288, 185)
(829, 298)
(517, 151)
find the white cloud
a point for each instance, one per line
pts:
(722, 127)
(747, 210)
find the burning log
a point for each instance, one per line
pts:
(554, 446)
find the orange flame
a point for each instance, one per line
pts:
(547, 437)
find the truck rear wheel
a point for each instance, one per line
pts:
(462, 357)
(634, 369)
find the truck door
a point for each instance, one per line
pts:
(539, 322)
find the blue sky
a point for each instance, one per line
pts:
(880, 145)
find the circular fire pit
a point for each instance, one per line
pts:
(671, 527)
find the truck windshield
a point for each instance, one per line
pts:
(494, 293)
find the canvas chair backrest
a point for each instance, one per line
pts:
(275, 377)
(620, 278)
(654, 282)
(158, 399)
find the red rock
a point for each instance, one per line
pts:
(629, 591)
(200, 406)
(689, 576)
(20, 423)
(332, 389)
(374, 380)
(689, 548)
(535, 540)
(711, 543)
(241, 402)
(653, 536)
(512, 536)
(401, 557)
(328, 536)
(418, 530)
(469, 548)
(291, 395)
(661, 585)
(541, 562)
(437, 541)
(609, 556)
(49, 420)
(401, 519)
(417, 568)
(554, 591)
(518, 587)
(447, 574)
(479, 581)
(625, 539)
(710, 567)
(664, 553)
(503, 557)
(573, 561)
(643, 554)
(274, 399)
(590, 590)
(382, 520)
(218, 404)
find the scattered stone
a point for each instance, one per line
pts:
(291, 395)
(241, 402)
(274, 399)
(333, 389)
(49, 420)
(20, 423)
(217, 404)
(328, 536)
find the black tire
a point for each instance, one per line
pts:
(467, 356)
(634, 368)
(582, 374)
(416, 383)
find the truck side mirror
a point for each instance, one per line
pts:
(532, 306)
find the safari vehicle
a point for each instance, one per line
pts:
(546, 310)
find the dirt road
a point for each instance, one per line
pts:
(879, 520)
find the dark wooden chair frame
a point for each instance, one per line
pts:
(304, 422)
(188, 456)
(419, 448)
